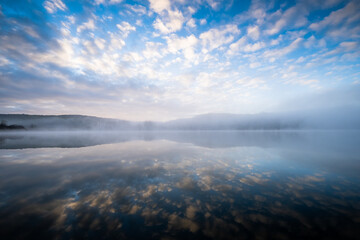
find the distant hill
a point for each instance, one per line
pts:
(335, 118)
(331, 118)
(4, 126)
(264, 121)
(66, 122)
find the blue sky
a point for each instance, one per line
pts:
(161, 60)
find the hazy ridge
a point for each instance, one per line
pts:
(335, 118)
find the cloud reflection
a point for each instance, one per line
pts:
(167, 190)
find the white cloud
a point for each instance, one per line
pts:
(273, 54)
(254, 47)
(346, 31)
(125, 28)
(215, 4)
(191, 10)
(254, 65)
(116, 42)
(139, 22)
(63, 56)
(71, 19)
(274, 42)
(170, 22)
(160, 5)
(132, 57)
(90, 47)
(139, 9)
(115, 1)
(251, 82)
(256, 11)
(348, 13)
(203, 21)
(31, 32)
(184, 44)
(215, 38)
(253, 32)
(65, 32)
(100, 43)
(176, 43)
(53, 5)
(191, 23)
(99, 2)
(349, 45)
(236, 46)
(307, 82)
(328, 3)
(292, 17)
(87, 25)
(300, 60)
(152, 50)
(3, 61)
(107, 2)
(312, 42)
(259, 14)
(276, 27)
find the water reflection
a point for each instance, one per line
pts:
(164, 189)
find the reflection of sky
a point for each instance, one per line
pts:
(163, 190)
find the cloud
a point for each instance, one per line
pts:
(236, 46)
(152, 50)
(341, 23)
(139, 9)
(215, 4)
(107, 2)
(125, 28)
(293, 17)
(170, 22)
(116, 42)
(253, 32)
(217, 37)
(251, 82)
(87, 25)
(277, 53)
(349, 45)
(160, 5)
(242, 46)
(311, 82)
(312, 42)
(254, 47)
(100, 43)
(115, 1)
(348, 15)
(3, 61)
(191, 23)
(184, 44)
(53, 5)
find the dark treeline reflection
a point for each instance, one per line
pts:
(185, 185)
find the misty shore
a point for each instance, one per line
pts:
(336, 118)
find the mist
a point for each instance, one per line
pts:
(332, 118)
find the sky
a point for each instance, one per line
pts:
(161, 60)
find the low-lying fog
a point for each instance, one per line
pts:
(330, 118)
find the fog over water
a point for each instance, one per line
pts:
(344, 117)
(180, 185)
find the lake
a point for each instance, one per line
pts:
(180, 185)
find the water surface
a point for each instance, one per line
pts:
(180, 185)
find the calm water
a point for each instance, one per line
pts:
(180, 185)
